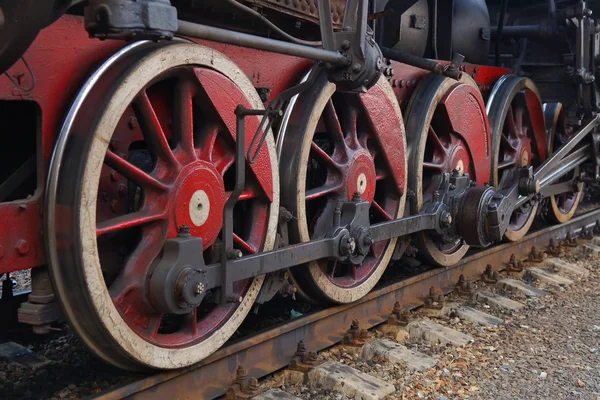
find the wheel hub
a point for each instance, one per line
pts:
(200, 189)
(459, 159)
(360, 176)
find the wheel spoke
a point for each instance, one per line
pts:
(332, 124)
(519, 121)
(243, 244)
(248, 194)
(151, 128)
(507, 142)
(207, 143)
(322, 191)
(435, 139)
(433, 166)
(322, 155)
(349, 126)
(506, 164)
(133, 173)
(127, 221)
(381, 211)
(223, 163)
(183, 122)
(511, 123)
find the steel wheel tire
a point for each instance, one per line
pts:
(72, 199)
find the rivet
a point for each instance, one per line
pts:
(114, 176)
(114, 206)
(133, 123)
(22, 247)
(122, 190)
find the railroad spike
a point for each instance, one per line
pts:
(490, 275)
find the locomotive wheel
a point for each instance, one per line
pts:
(126, 176)
(447, 130)
(561, 208)
(335, 145)
(518, 139)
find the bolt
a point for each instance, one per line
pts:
(234, 254)
(184, 231)
(301, 349)
(241, 373)
(133, 123)
(346, 44)
(114, 176)
(122, 190)
(114, 206)
(252, 384)
(199, 289)
(22, 247)
(356, 67)
(446, 219)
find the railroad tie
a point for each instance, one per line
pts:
(559, 265)
(513, 285)
(549, 277)
(349, 382)
(498, 301)
(398, 354)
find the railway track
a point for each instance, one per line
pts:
(274, 349)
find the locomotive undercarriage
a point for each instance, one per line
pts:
(169, 200)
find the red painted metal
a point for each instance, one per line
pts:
(62, 57)
(458, 138)
(186, 122)
(359, 149)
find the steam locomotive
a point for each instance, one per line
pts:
(169, 165)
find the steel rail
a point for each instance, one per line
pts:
(273, 349)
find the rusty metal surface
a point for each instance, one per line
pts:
(305, 8)
(274, 349)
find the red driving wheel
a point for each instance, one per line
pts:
(160, 157)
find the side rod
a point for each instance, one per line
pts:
(275, 260)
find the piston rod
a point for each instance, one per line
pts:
(200, 31)
(420, 62)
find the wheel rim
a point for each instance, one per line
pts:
(563, 206)
(447, 130)
(168, 136)
(518, 139)
(337, 145)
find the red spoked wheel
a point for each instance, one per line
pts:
(562, 207)
(336, 145)
(157, 157)
(518, 139)
(447, 131)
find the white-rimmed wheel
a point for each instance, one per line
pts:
(518, 139)
(336, 145)
(561, 208)
(447, 130)
(147, 149)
